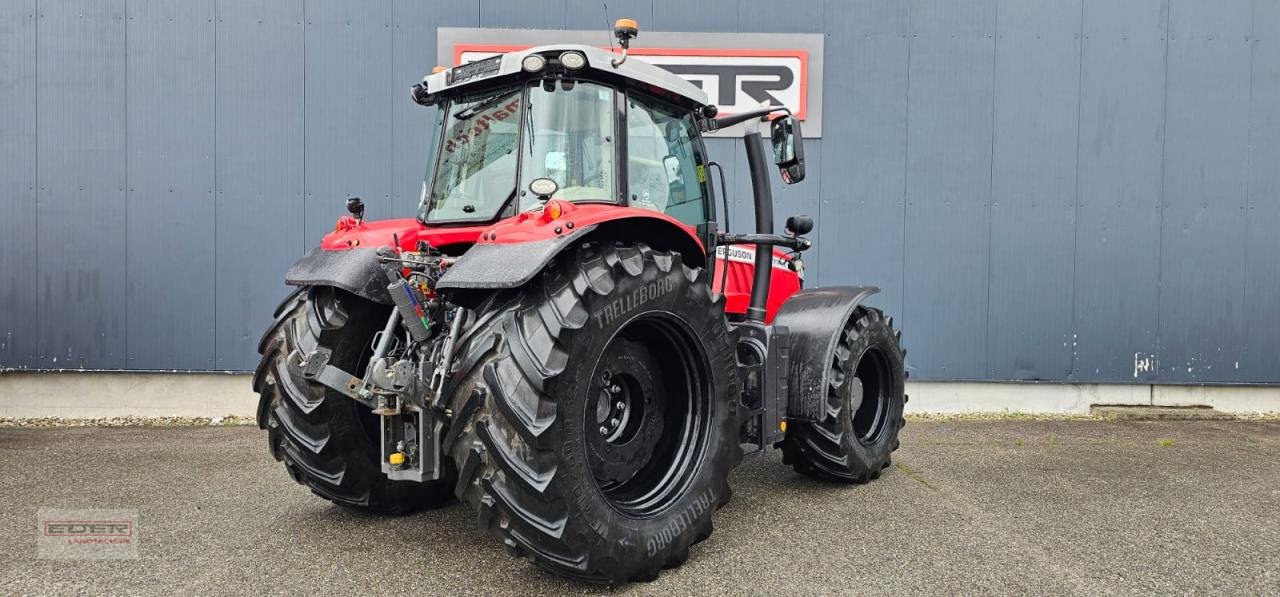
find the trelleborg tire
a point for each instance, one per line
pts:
(326, 440)
(856, 438)
(596, 414)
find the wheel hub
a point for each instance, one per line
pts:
(614, 407)
(626, 399)
(870, 391)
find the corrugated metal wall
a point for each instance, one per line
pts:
(1045, 190)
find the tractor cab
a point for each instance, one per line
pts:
(566, 122)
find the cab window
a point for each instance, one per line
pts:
(666, 170)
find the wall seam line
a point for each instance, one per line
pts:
(38, 354)
(214, 336)
(302, 250)
(1075, 223)
(991, 169)
(127, 192)
(906, 162)
(1164, 143)
(1248, 186)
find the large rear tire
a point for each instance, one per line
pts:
(597, 414)
(326, 440)
(856, 438)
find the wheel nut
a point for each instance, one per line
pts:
(613, 422)
(615, 389)
(604, 430)
(621, 405)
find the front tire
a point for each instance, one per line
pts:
(326, 440)
(863, 414)
(597, 414)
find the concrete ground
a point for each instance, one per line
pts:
(1072, 506)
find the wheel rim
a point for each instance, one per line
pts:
(647, 415)
(873, 377)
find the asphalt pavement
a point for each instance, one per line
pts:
(968, 507)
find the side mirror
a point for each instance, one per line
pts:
(788, 148)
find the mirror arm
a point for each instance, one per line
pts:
(728, 121)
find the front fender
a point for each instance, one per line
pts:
(816, 317)
(353, 270)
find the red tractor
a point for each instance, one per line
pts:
(563, 338)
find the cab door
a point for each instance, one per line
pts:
(666, 164)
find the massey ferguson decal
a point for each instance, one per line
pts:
(738, 71)
(747, 254)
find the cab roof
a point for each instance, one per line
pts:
(599, 62)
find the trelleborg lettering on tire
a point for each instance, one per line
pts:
(630, 302)
(702, 504)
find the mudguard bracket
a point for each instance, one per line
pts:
(763, 356)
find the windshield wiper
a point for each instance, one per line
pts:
(473, 110)
(529, 129)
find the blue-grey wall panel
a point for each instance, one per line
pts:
(1206, 173)
(1262, 266)
(864, 157)
(1118, 213)
(544, 14)
(18, 274)
(794, 16)
(1000, 168)
(590, 15)
(1033, 188)
(948, 187)
(348, 72)
(170, 236)
(414, 26)
(682, 15)
(80, 216)
(258, 103)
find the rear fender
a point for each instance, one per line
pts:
(353, 270)
(512, 252)
(496, 266)
(347, 256)
(815, 318)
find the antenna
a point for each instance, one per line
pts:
(606, 22)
